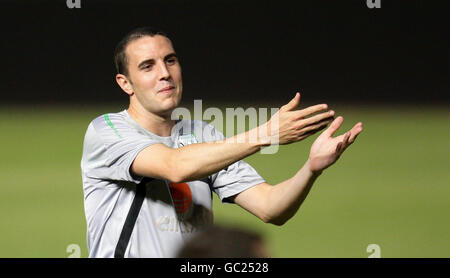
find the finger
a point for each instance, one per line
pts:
(291, 104)
(357, 129)
(311, 110)
(306, 133)
(345, 141)
(309, 133)
(339, 148)
(335, 125)
(317, 126)
(317, 118)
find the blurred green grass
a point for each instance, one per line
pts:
(390, 188)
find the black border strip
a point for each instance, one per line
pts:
(226, 267)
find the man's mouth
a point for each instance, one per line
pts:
(167, 89)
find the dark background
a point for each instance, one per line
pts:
(232, 51)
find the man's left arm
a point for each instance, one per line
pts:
(277, 204)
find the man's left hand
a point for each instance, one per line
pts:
(326, 150)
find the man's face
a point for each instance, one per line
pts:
(155, 74)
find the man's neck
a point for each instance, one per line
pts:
(156, 124)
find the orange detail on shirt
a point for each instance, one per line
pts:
(181, 196)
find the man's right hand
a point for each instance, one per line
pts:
(289, 125)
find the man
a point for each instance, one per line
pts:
(148, 179)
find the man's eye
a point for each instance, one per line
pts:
(147, 67)
(171, 61)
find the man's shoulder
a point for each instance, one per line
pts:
(110, 124)
(109, 120)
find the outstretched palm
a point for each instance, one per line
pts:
(326, 149)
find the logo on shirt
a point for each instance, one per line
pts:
(181, 196)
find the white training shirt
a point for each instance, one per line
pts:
(130, 216)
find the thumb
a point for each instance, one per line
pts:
(292, 104)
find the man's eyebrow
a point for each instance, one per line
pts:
(170, 55)
(148, 61)
(152, 61)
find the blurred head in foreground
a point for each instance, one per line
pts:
(224, 242)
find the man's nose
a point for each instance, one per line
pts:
(163, 71)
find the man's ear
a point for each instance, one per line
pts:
(125, 84)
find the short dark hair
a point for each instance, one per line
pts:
(120, 56)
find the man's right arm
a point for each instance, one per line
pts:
(191, 162)
(196, 161)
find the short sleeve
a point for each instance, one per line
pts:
(110, 147)
(234, 179)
